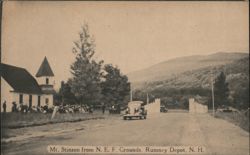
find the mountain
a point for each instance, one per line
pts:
(174, 91)
(171, 68)
(237, 73)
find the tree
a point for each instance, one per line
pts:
(85, 70)
(66, 95)
(116, 87)
(241, 96)
(221, 90)
(139, 95)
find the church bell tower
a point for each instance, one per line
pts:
(45, 77)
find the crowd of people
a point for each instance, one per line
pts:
(24, 108)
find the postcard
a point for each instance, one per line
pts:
(124, 77)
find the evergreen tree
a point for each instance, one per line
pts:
(116, 87)
(221, 90)
(241, 97)
(86, 71)
(66, 95)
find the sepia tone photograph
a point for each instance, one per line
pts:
(124, 77)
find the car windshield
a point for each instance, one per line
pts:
(134, 104)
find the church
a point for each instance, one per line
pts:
(19, 86)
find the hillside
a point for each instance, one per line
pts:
(237, 73)
(173, 67)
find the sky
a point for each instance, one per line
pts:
(130, 35)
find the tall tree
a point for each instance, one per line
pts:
(67, 97)
(241, 96)
(221, 90)
(116, 87)
(86, 71)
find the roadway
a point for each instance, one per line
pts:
(216, 136)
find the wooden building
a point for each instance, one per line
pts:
(19, 86)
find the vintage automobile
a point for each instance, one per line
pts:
(163, 109)
(224, 108)
(135, 109)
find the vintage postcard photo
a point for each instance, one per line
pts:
(106, 77)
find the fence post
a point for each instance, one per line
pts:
(54, 112)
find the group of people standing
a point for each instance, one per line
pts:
(13, 109)
(16, 108)
(24, 108)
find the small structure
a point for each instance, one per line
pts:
(19, 86)
(197, 105)
(154, 107)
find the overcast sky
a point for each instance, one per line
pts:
(131, 35)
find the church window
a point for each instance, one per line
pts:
(46, 100)
(47, 80)
(20, 98)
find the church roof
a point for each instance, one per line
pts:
(19, 79)
(45, 69)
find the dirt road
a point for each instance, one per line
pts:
(217, 136)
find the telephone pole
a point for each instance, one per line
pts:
(147, 99)
(212, 87)
(131, 93)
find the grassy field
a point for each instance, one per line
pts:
(19, 120)
(240, 119)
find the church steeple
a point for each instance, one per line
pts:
(45, 78)
(45, 74)
(45, 69)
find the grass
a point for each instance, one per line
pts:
(20, 120)
(240, 119)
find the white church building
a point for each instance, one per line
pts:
(19, 86)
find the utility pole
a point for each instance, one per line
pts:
(131, 93)
(212, 85)
(147, 99)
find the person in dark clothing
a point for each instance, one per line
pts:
(46, 108)
(24, 108)
(90, 109)
(118, 109)
(4, 106)
(14, 107)
(103, 108)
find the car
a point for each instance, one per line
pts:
(163, 109)
(226, 109)
(135, 109)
